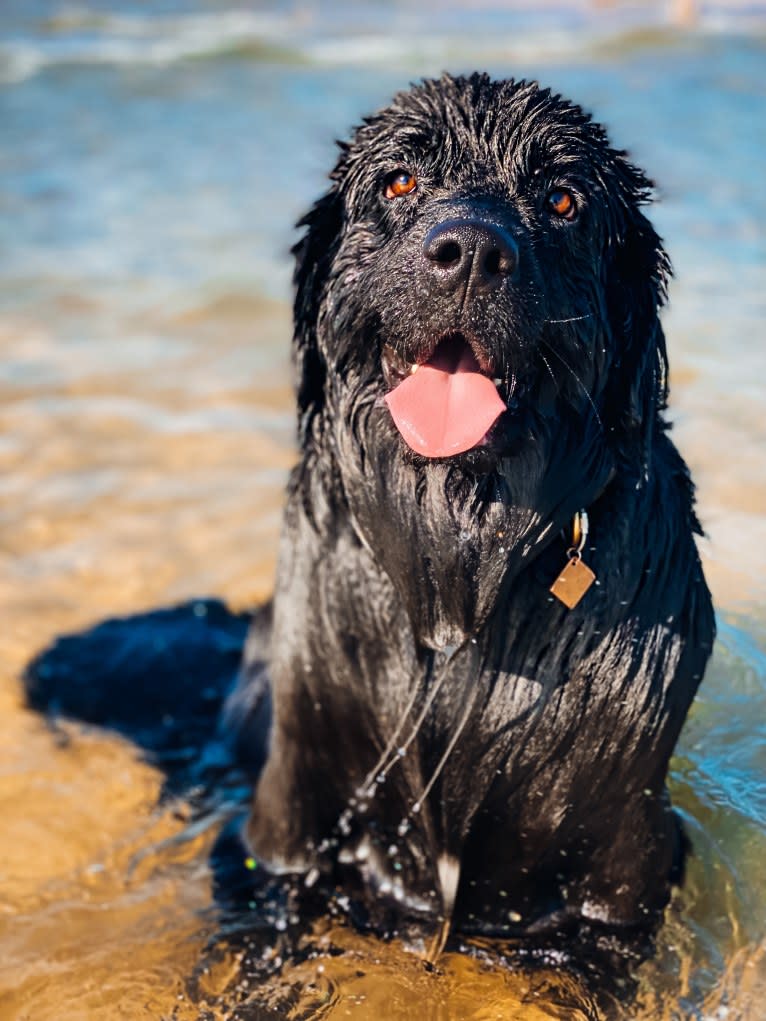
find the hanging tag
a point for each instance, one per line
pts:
(573, 582)
(576, 578)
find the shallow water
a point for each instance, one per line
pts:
(150, 169)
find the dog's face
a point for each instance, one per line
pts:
(476, 319)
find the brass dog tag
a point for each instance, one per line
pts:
(573, 582)
(576, 578)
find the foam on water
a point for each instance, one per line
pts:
(335, 33)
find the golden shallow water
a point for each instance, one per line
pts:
(123, 489)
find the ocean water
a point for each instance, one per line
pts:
(153, 158)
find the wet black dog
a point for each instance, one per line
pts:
(479, 362)
(481, 369)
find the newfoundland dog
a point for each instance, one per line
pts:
(490, 617)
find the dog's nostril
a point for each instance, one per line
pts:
(448, 253)
(492, 262)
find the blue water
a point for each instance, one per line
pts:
(157, 159)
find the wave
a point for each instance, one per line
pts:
(119, 39)
(315, 35)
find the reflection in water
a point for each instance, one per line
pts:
(145, 434)
(349, 975)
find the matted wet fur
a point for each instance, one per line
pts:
(451, 745)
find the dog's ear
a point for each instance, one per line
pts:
(314, 254)
(636, 271)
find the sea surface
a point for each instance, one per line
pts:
(153, 158)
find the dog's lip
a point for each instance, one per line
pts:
(397, 365)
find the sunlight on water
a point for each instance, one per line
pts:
(153, 164)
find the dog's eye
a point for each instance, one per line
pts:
(562, 203)
(402, 182)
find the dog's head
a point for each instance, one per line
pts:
(477, 302)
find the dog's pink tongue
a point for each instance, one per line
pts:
(447, 405)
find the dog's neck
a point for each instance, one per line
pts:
(451, 541)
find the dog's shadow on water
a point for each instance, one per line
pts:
(161, 679)
(158, 678)
(166, 680)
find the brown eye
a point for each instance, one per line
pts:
(562, 203)
(399, 184)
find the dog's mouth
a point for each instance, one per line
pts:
(444, 405)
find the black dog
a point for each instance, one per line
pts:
(450, 744)
(481, 371)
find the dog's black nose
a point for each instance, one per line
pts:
(471, 253)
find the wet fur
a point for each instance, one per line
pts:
(412, 608)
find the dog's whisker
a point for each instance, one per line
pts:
(550, 370)
(569, 369)
(572, 319)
